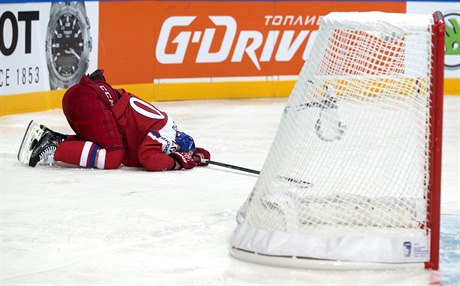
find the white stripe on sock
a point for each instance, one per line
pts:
(84, 153)
(100, 159)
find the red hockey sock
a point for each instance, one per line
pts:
(87, 154)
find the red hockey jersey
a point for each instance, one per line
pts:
(143, 126)
(114, 127)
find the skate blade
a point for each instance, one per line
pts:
(31, 137)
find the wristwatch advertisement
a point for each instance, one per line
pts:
(46, 45)
(68, 43)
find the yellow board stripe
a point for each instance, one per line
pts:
(30, 102)
(215, 90)
(39, 101)
(452, 86)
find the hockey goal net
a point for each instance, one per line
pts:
(353, 174)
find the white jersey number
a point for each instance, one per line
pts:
(149, 111)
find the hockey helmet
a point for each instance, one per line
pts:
(185, 142)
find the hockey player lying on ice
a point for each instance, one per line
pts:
(112, 127)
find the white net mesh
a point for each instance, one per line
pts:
(349, 160)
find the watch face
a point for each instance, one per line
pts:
(67, 44)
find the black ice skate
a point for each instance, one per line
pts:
(38, 145)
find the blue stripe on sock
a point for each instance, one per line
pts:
(92, 156)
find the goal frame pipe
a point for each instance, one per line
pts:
(435, 148)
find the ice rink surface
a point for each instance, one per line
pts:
(72, 226)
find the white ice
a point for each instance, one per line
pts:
(72, 226)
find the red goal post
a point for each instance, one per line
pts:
(436, 110)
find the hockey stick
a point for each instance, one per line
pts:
(301, 183)
(232, 167)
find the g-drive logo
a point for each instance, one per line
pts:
(259, 47)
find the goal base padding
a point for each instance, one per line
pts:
(317, 264)
(367, 245)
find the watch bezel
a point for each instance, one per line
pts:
(56, 79)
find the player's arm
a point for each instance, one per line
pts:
(185, 143)
(201, 156)
(151, 156)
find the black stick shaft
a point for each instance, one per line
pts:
(233, 167)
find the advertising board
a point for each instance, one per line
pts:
(173, 50)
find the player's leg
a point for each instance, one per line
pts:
(88, 155)
(90, 119)
(39, 144)
(42, 145)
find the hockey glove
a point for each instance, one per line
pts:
(182, 161)
(201, 156)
